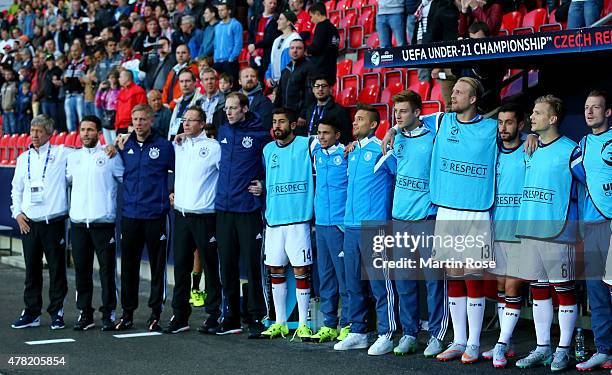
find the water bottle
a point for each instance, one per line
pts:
(579, 350)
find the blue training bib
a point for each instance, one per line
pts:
(508, 192)
(597, 161)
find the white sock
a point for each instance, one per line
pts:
(475, 314)
(500, 306)
(508, 322)
(458, 313)
(303, 300)
(567, 321)
(542, 319)
(279, 296)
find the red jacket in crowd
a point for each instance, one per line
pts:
(492, 15)
(129, 97)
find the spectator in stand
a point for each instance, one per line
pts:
(156, 64)
(89, 83)
(130, 95)
(195, 9)
(59, 36)
(263, 30)
(123, 9)
(323, 51)
(258, 102)
(226, 83)
(303, 26)
(294, 90)
(188, 34)
(151, 40)
(211, 18)
(104, 15)
(139, 33)
(228, 42)
(165, 26)
(106, 104)
(279, 58)
(130, 60)
(74, 87)
(161, 123)
(480, 11)
(174, 15)
(171, 88)
(189, 97)
(390, 18)
(24, 108)
(110, 61)
(325, 106)
(583, 13)
(443, 25)
(212, 104)
(8, 93)
(51, 84)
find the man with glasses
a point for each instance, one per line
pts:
(195, 185)
(325, 106)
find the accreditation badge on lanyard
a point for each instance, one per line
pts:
(319, 112)
(37, 187)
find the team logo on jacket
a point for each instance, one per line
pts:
(367, 156)
(247, 142)
(154, 153)
(337, 160)
(100, 161)
(606, 152)
(203, 152)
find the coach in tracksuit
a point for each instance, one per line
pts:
(369, 194)
(93, 206)
(195, 186)
(239, 219)
(40, 208)
(330, 201)
(147, 157)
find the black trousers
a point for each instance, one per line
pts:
(135, 233)
(48, 239)
(98, 239)
(191, 231)
(239, 237)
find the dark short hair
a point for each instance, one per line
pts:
(331, 121)
(374, 114)
(200, 111)
(213, 9)
(409, 96)
(318, 8)
(243, 100)
(604, 95)
(186, 70)
(125, 43)
(330, 80)
(291, 116)
(95, 119)
(228, 77)
(479, 26)
(514, 108)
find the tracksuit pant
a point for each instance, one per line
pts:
(330, 266)
(596, 245)
(135, 234)
(193, 231)
(239, 238)
(98, 239)
(357, 273)
(47, 238)
(407, 283)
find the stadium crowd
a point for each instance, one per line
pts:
(187, 127)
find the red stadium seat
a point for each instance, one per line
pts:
(551, 27)
(386, 97)
(370, 79)
(436, 92)
(334, 17)
(243, 58)
(342, 41)
(383, 111)
(348, 21)
(368, 8)
(535, 18)
(350, 80)
(523, 30)
(12, 149)
(503, 32)
(431, 106)
(412, 76)
(347, 97)
(344, 67)
(422, 88)
(606, 9)
(369, 95)
(373, 41)
(77, 141)
(552, 18)
(22, 143)
(394, 77)
(69, 140)
(343, 5)
(367, 21)
(330, 5)
(61, 137)
(358, 67)
(354, 11)
(382, 128)
(358, 4)
(102, 140)
(511, 21)
(4, 148)
(355, 37)
(373, 2)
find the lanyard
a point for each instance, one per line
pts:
(312, 118)
(44, 168)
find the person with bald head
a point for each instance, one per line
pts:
(161, 123)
